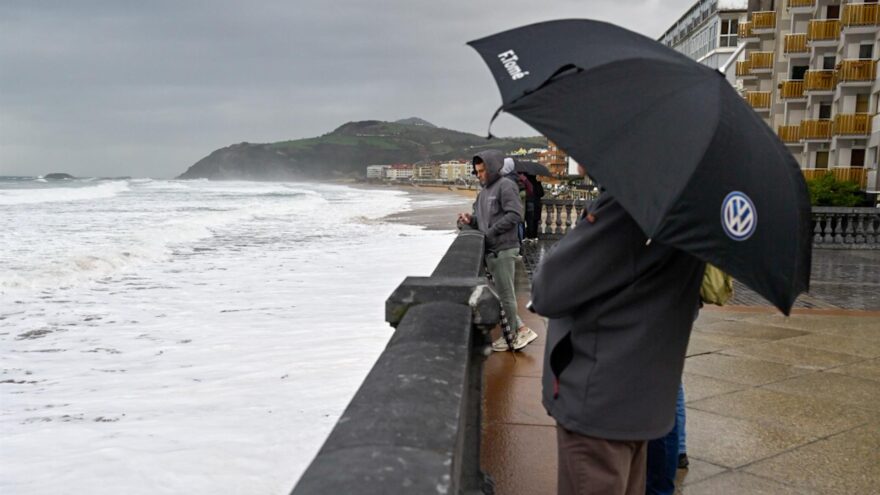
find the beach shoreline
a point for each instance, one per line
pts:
(442, 217)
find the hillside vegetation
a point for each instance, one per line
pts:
(347, 151)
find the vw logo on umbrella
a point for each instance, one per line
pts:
(738, 216)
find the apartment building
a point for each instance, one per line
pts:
(426, 171)
(377, 171)
(709, 32)
(810, 71)
(399, 172)
(452, 171)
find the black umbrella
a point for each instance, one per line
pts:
(531, 168)
(670, 139)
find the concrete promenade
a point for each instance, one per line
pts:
(775, 405)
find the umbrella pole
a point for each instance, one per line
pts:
(739, 49)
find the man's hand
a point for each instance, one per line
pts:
(464, 219)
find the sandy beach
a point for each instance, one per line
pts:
(431, 217)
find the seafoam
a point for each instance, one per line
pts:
(189, 336)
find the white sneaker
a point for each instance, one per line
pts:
(500, 345)
(523, 338)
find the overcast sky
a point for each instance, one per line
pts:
(147, 88)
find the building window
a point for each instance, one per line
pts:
(857, 158)
(729, 30)
(832, 12)
(862, 103)
(821, 159)
(828, 62)
(866, 52)
(824, 110)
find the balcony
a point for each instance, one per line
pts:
(791, 89)
(819, 80)
(796, 43)
(743, 69)
(761, 62)
(801, 4)
(763, 21)
(852, 124)
(856, 70)
(744, 31)
(865, 14)
(826, 30)
(816, 129)
(759, 100)
(814, 173)
(789, 133)
(859, 175)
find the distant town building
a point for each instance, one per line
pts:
(572, 166)
(400, 172)
(555, 159)
(427, 171)
(377, 171)
(452, 171)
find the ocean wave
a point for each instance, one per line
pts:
(62, 194)
(155, 243)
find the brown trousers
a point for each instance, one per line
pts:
(593, 466)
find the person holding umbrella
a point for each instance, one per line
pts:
(529, 171)
(497, 214)
(692, 175)
(620, 311)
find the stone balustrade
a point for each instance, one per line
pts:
(846, 228)
(832, 227)
(558, 216)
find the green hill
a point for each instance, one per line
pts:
(347, 151)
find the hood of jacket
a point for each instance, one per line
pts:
(493, 161)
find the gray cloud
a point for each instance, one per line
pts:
(148, 88)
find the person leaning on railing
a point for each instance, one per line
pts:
(497, 213)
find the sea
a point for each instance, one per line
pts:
(163, 336)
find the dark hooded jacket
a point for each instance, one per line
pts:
(621, 311)
(498, 209)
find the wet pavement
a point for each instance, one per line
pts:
(774, 404)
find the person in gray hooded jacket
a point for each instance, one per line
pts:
(497, 213)
(621, 310)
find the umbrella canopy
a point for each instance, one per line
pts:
(531, 168)
(692, 163)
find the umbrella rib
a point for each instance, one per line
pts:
(680, 192)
